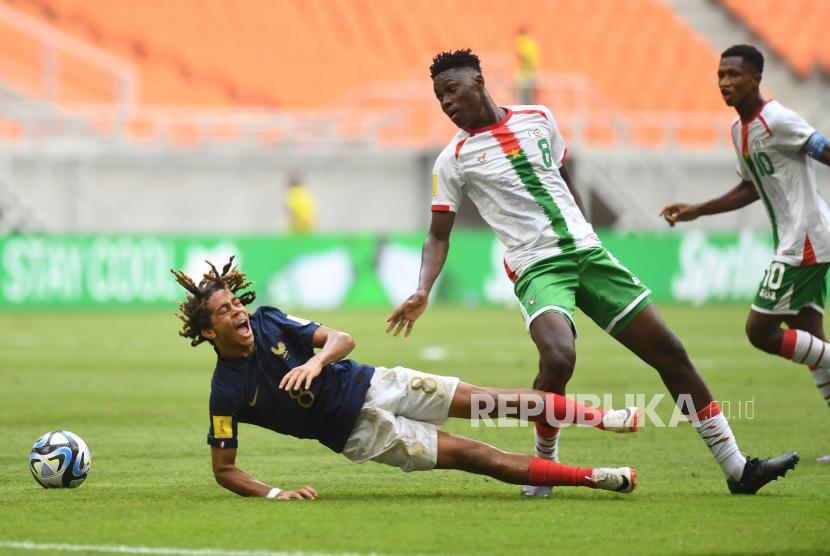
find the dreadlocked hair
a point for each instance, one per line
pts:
(444, 61)
(194, 313)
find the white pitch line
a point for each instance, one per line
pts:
(161, 551)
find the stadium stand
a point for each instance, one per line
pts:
(613, 71)
(218, 52)
(793, 29)
(113, 112)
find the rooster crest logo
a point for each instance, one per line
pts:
(281, 351)
(482, 159)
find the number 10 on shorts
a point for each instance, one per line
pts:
(773, 276)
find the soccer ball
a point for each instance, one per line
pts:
(59, 459)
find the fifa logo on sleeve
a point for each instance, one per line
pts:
(222, 426)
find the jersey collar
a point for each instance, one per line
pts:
(758, 113)
(491, 127)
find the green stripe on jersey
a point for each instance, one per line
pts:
(534, 186)
(764, 197)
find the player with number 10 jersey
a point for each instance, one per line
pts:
(776, 148)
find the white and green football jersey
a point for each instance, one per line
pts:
(510, 170)
(770, 154)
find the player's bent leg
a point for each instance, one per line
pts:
(464, 454)
(764, 331)
(476, 402)
(809, 319)
(648, 337)
(554, 339)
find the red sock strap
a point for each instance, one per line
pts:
(711, 410)
(546, 432)
(559, 409)
(788, 347)
(549, 473)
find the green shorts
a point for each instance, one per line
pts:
(591, 279)
(786, 289)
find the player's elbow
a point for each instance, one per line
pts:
(223, 477)
(222, 472)
(348, 341)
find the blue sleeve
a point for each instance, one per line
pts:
(297, 330)
(224, 418)
(815, 145)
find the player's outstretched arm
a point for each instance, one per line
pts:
(334, 346)
(433, 257)
(824, 157)
(234, 479)
(740, 196)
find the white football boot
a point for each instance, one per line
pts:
(616, 479)
(546, 449)
(622, 420)
(540, 491)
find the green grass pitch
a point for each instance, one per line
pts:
(137, 394)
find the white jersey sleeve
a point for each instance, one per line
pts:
(558, 150)
(446, 180)
(789, 130)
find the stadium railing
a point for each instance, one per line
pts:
(391, 115)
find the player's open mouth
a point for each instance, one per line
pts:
(244, 328)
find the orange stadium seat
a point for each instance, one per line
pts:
(308, 53)
(795, 29)
(304, 54)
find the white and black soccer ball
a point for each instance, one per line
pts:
(60, 459)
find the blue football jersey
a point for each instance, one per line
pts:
(246, 389)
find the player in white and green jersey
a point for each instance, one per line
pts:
(510, 161)
(776, 148)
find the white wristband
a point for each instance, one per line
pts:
(274, 492)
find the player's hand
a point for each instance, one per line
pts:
(679, 212)
(305, 493)
(294, 378)
(408, 313)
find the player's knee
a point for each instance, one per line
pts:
(674, 355)
(558, 360)
(757, 335)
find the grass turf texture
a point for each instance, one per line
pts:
(137, 394)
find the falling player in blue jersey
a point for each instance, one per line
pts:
(268, 375)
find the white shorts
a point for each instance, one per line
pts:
(398, 424)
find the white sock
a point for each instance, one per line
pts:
(547, 446)
(821, 378)
(804, 348)
(717, 435)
